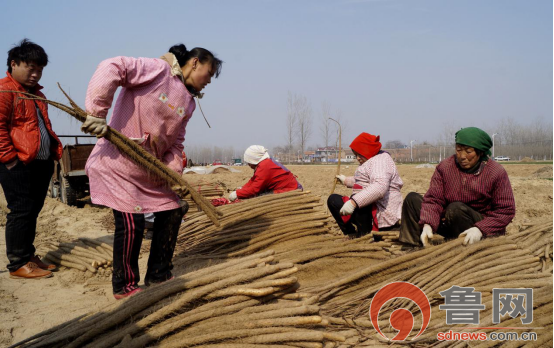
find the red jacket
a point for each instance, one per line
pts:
(19, 127)
(269, 177)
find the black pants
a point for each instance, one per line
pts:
(129, 230)
(361, 217)
(457, 218)
(25, 188)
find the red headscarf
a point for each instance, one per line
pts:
(366, 145)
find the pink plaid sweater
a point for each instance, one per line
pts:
(377, 181)
(152, 105)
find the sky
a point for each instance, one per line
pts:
(401, 69)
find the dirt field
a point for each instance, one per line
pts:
(31, 306)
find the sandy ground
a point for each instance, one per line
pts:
(30, 306)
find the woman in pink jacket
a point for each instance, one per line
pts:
(376, 201)
(153, 108)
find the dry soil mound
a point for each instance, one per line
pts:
(544, 172)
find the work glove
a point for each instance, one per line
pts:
(472, 235)
(95, 126)
(138, 141)
(341, 178)
(348, 208)
(426, 234)
(233, 196)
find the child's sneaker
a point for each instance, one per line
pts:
(120, 295)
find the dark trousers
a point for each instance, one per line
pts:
(25, 188)
(457, 218)
(129, 230)
(361, 217)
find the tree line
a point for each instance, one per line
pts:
(512, 138)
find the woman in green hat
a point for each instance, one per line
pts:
(470, 196)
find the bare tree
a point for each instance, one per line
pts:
(325, 126)
(217, 153)
(304, 114)
(292, 119)
(394, 144)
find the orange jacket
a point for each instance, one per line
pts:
(19, 127)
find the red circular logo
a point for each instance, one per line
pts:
(400, 319)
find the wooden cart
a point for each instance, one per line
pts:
(69, 181)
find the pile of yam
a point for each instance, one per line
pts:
(519, 260)
(294, 224)
(86, 254)
(245, 302)
(207, 190)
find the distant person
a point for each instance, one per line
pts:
(184, 159)
(28, 149)
(469, 196)
(269, 176)
(154, 107)
(376, 201)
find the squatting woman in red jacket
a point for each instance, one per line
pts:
(269, 176)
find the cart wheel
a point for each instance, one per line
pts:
(68, 195)
(54, 190)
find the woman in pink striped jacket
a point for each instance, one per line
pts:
(376, 200)
(153, 108)
(470, 196)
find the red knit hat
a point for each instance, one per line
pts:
(366, 145)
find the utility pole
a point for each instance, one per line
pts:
(339, 156)
(429, 153)
(411, 150)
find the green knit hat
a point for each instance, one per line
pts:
(476, 138)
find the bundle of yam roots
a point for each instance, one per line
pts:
(253, 294)
(519, 260)
(85, 254)
(294, 224)
(244, 302)
(205, 189)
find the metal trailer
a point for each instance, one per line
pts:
(69, 181)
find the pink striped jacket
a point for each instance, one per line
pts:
(377, 181)
(152, 105)
(487, 191)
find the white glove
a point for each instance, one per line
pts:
(472, 235)
(95, 126)
(233, 196)
(138, 141)
(348, 208)
(426, 234)
(341, 178)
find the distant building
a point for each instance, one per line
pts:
(331, 154)
(309, 156)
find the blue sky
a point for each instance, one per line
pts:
(401, 69)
